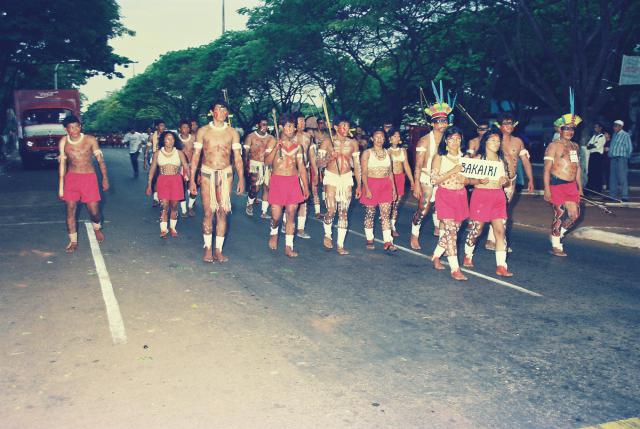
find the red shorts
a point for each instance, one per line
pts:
(487, 205)
(564, 192)
(400, 179)
(381, 192)
(170, 187)
(81, 187)
(452, 204)
(284, 190)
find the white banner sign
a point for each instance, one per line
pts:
(630, 70)
(475, 168)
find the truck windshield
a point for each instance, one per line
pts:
(44, 116)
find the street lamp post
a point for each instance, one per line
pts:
(223, 29)
(55, 71)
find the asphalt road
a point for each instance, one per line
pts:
(365, 340)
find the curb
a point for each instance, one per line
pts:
(590, 233)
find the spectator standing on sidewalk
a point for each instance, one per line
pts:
(134, 140)
(619, 154)
(595, 148)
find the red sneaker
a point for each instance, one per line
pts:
(457, 275)
(502, 271)
(468, 262)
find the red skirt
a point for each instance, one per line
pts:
(381, 191)
(284, 190)
(564, 192)
(452, 204)
(400, 181)
(81, 187)
(487, 205)
(170, 187)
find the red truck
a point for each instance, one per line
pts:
(40, 114)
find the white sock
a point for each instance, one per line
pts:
(453, 263)
(155, 196)
(274, 231)
(342, 233)
(173, 223)
(250, 201)
(284, 222)
(163, 226)
(73, 237)
(368, 232)
(468, 250)
(192, 202)
(555, 242)
(434, 218)
(302, 221)
(96, 226)
(562, 232)
(393, 224)
(288, 240)
(207, 240)
(183, 207)
(265, 206)
(439, 251)
(219, 242)
(317, 207)
(441, 232)
(490, 236)
(501, 258)
(328, 230)
(386, 236)
(415, 230)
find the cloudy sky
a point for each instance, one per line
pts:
(162, 26)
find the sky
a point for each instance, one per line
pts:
(162, 26)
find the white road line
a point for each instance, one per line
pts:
(116, 326)
(466, 270)
(48, 222)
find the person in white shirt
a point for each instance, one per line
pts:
(134, 140)
(596, 158)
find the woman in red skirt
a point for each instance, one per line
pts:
(378, 189)
(170, 185)
(451, 198)
(489, 204)
(401, 171)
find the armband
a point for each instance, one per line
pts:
(197, 145)
(236, 146)
(268, 150)
(62, 157)
(97, 153)
(524, 152)
(549, 158)
(421, 149)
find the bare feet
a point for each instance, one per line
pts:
(71, 247)
(468, 262)
(208, 255)
(173, 232)
(99, 235)
(370, 245)
(290, 252)
(163, 234)
(273, 242)
(457, 275)
(328, 243)
(437, 264)
(390, 247)
(303, 234)
(218, 256)
(414, 243)
(557, 252)
(249, 210)
(503, 272)
(342, 251)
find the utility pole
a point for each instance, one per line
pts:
(223, 29)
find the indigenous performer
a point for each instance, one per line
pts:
(216, 142)
(320, 135)
(289, 173)
(170, 183)
(474, 143)
(187, 140)
(341, 159)
(78, 180)
(426, 150)
(562, 179)
(255, 145)
(150, 149)
(489, 203)
(309, 149)
(378, 189)
(361, 138)
(451, 199)
(401, 171)
(513, 149)
(193, 127)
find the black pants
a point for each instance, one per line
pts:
(134, 163)
(596, 171)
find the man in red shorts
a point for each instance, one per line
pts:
(562, 181)
(79, 182)
(286, 156)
